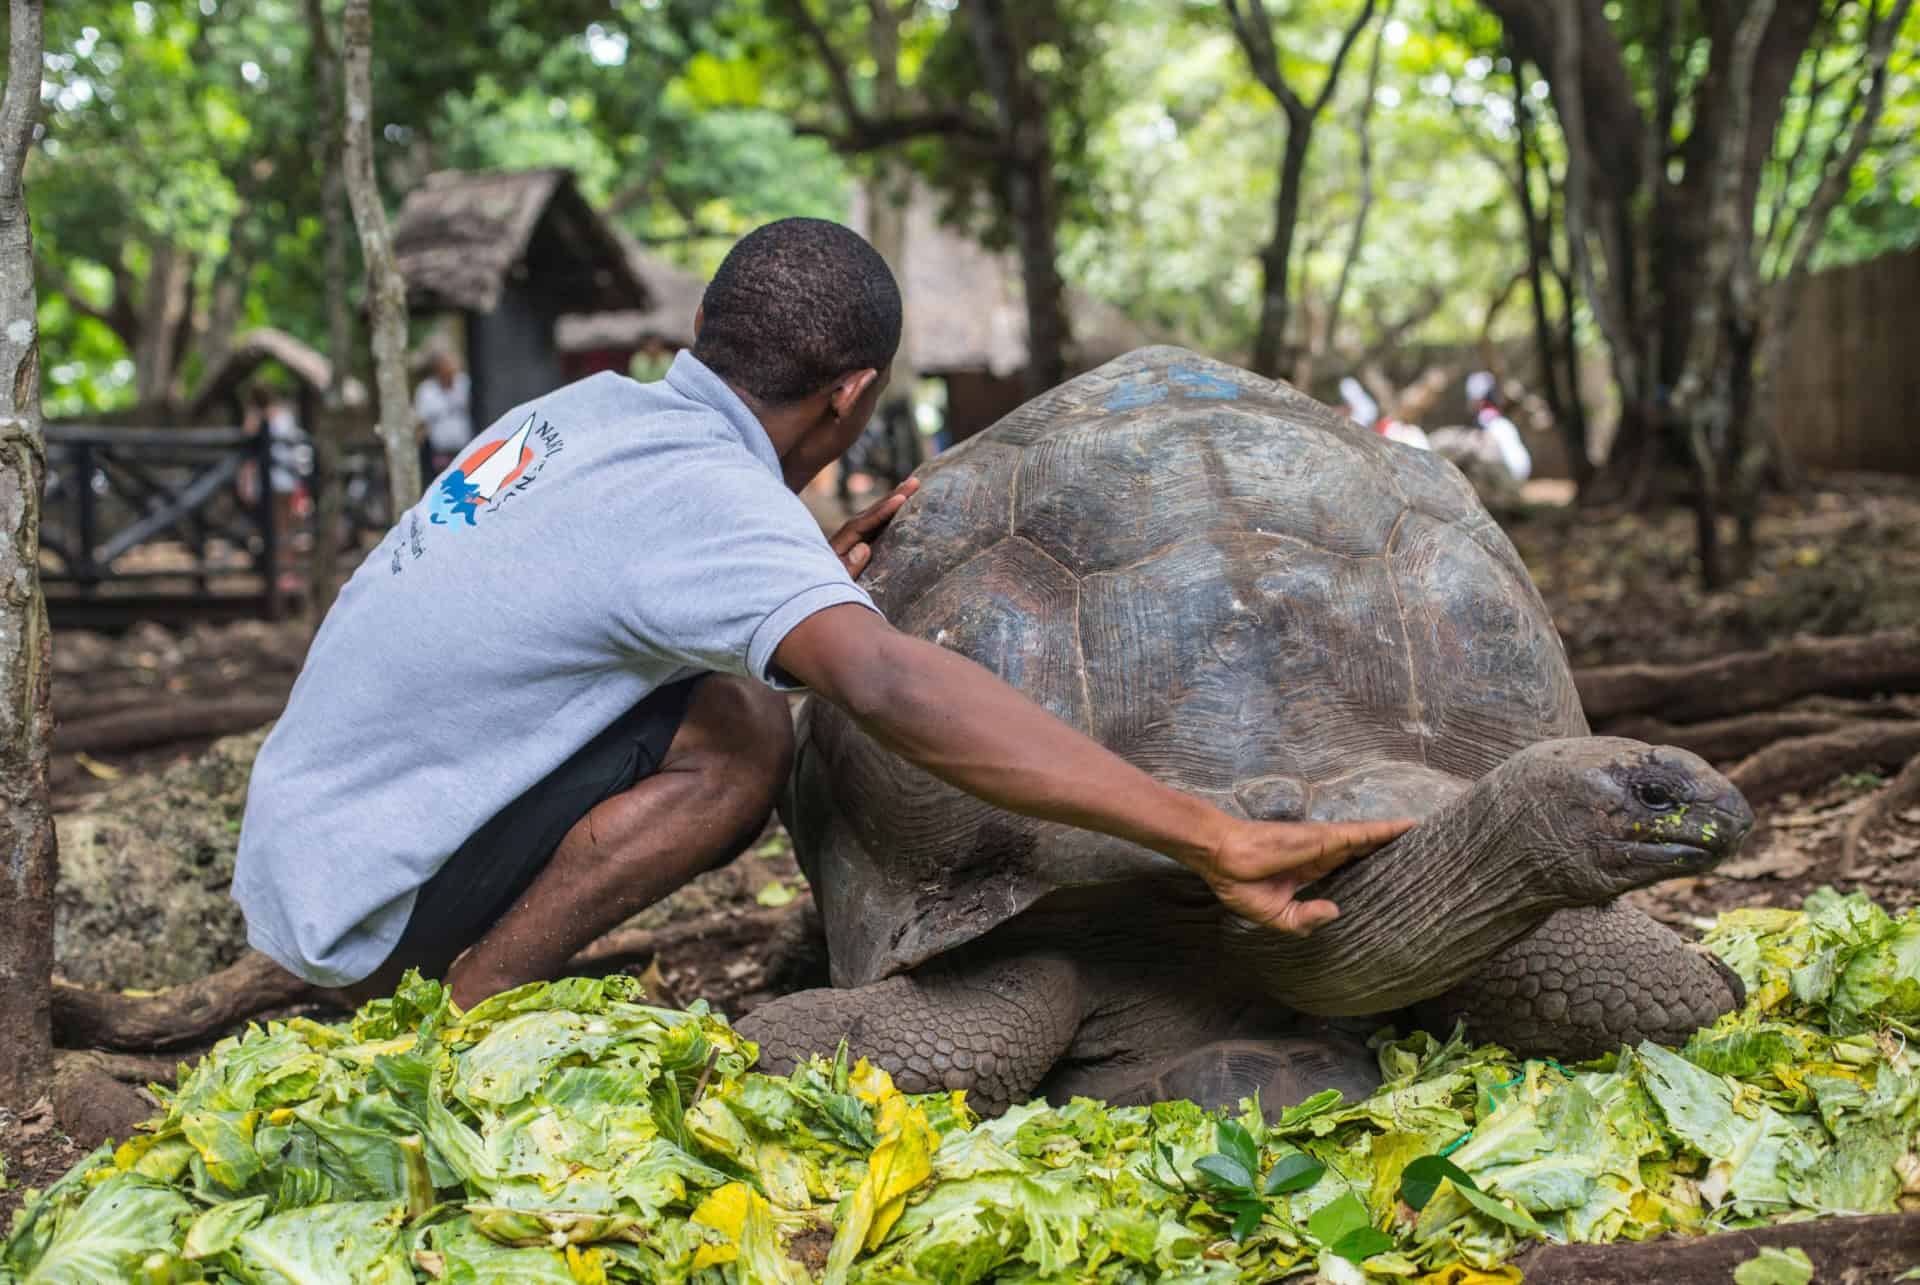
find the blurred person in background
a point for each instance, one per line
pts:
(441, 405)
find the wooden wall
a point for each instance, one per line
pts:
(1847, 395)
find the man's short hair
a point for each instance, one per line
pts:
(795, 305)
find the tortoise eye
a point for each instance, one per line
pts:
(1655, 796)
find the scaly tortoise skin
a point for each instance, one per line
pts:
(1269, 607)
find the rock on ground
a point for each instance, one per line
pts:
(144, 872)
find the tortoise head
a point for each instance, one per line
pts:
(1616, 814)
(1559, 824)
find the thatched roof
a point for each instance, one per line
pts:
(676, 294)
(254, 349)
(966, 309)
(460, 237)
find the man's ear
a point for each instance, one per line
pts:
(850, 390)
(699, 319)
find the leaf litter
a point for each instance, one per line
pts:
(569, 1132)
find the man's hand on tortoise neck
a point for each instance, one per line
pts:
(853, 541)
(1257, 868)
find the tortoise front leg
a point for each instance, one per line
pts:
(992, 1027)
(1586, 981)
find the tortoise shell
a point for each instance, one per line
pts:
(1225, 582)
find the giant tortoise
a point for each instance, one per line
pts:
(1263, 604)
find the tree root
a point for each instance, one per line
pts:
(143, 728)
(624, 946)
(137, 1069)
(1884, 819)
(1856, 707)
(1872, 1248)
(178, 1017)
(182, 1017)
(1727, 740)
(92, 1104)
(1806, 762)
(1754, 680)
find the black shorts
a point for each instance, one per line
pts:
(488, 873)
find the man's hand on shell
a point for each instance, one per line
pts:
(1261, 865)
(853, 540)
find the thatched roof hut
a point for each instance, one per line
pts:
(218, 395)
(667, 323)
(966, 310)
(461, 238)
(967, 316)
(512, 251)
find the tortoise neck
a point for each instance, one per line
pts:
(1422, 913)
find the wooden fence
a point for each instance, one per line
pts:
(1847, 395)
(178, 525)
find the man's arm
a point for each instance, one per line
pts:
(970, 729)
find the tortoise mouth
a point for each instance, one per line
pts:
(1676, 854)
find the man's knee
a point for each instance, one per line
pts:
(739, 734)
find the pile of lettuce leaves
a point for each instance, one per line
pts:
(570, 1133)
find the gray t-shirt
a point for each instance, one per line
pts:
(589, 547)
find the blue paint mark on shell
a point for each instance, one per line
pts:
(1197, 383)
(1134, 394)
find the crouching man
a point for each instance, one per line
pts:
(554, 693)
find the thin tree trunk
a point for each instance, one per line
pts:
(386, 292)
(1702, 394)
(1022, 117)
(29, 864)
(165, 309)
(1568, 335)
(1269, 341)
(1562, 397)
(1588, 220)
(228, 294)
(329, 492)
(1254, 31)
(886, 215)
(1568, 101)
(1364, 131)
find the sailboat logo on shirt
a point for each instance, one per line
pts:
(478, 483)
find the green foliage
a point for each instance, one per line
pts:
(193, 128)
(1178, 237)
(570, 1131)
(1423, 1177)
(1772, 1266)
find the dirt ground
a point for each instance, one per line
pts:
(33, 1153)
(1841, 558)
(151, 668)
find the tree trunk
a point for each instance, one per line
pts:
(228, 296)
(1364, 132)
(889, 186)
(1668, 261)
(329, 498)
(1269, 342)
(1022, 116)
(165, 312)
(1774, 321)
(1702, 394)
(27, 852)
(1562, 391)
(386, 292)
(1254, 31)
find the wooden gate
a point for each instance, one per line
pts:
(177, 525)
